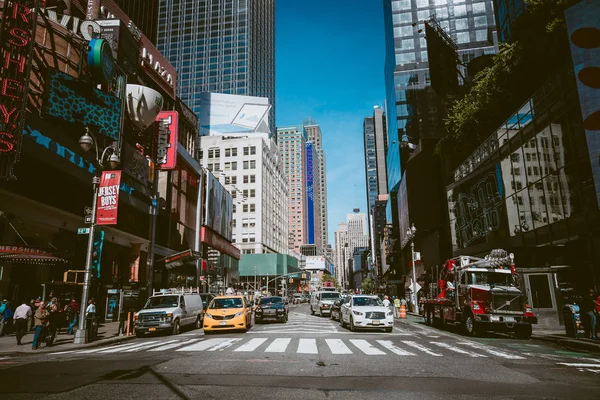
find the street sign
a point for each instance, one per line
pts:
(88, 219)
(202, 278)
(83, 231)
(412, 286)
(87, 210)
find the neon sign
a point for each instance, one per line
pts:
(17, 35)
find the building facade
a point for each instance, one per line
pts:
(291, 141)
(144, 14)
(220, 46)
(320, 181)
(341, 254)
(251, 169)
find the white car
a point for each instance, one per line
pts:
(366, 312)
(322, 301)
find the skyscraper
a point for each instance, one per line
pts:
(220, 46)
(321, 224)
(292, 143)
(144, 14)
(341, 254)
(375, 144)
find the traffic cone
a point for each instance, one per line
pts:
(402, 311)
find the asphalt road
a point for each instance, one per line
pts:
(309, 357)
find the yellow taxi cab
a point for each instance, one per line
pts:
(229, 312)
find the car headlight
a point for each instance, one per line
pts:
(476, 307)
(169, 317)
(357, 313)
(207, 315)
(239, 314)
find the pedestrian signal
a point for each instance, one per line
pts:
(73, 277)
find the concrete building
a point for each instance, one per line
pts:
(291, 141)
(251, 169)
(358, 235)
(220, 46)
(321, 225)
(341, 254)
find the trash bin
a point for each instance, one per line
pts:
(573, 323)
(91, 325)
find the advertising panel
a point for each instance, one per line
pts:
(403, 211)
(17, 33)
(583, 26)
(108, 198)
(219, 207)
(165, 144)
(225, 114)
(218, 243)
(310, 195)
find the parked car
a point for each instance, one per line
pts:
(366, 312)
(335, 309)
(169, 311)
(228, 313)
(322, 301)
(274, 308)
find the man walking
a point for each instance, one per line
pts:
(22, 314)
(40, 317)
(397, 306)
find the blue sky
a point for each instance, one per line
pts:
(329, 66)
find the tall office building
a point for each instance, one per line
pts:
(412, 111)
(251, 169)
(341, 254)
(144, 14)
(320, 181)
(220, 46)
(358, 235)
(375, 144)
(507, 12)
(292, 144)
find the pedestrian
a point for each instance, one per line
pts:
(397, 306)
(589, 307)
(71, 311)
(91, 308)
(21, 317)
(40, 317)
(8, 320)
(2, 308)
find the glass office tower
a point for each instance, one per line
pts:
(220, 46)
(470, 23)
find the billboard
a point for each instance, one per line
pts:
(583, 26)
(443, 59)
(165, 141)
(17, 37)
(403, 211)
(219, 207)
(226, 114)
(107, 203)
(310, 195)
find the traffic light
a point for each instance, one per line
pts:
(72, 277)
(97, 252)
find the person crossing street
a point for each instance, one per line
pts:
(21, 317)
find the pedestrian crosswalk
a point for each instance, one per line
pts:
(309, 346)
(298, 323)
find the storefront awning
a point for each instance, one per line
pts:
(29, 255)
(181, 258)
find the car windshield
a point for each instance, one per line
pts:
(490, 278)
(330, 296)
(367, 301)
(232, 302)
(271, 300)
(161, 302)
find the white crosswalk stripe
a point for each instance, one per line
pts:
(343, 346)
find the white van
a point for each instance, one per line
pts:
(321, 302)
(169, 311)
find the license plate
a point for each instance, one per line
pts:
(509, 319)
(151, 329)
(269, 311)
(223, 323)
(375, 322)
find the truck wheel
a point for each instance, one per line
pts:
(176, 327)
(198, 322)
(469, 324)
(523, 332)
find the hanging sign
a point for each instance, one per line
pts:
(165, 143)
(108, 198)
(17, 33)
(100, 60)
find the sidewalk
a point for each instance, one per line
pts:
(107, 334)
(557, 336)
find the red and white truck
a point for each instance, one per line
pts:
(480, 294)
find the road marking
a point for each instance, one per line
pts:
(251, 345)
(225, 344)
(457, 349)
(205, 344)
(337, 346)
(278, 346)
(97, 349)
(148, 346)
(366, 347)
(421, 348)
(135, 346)
(580, 365)
(172, 346)
(307, 346)
(53, 354)
(491, 350)
(390, 346)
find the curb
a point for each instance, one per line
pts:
(56, 349)
(570, 343)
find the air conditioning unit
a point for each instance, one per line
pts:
(143, 105)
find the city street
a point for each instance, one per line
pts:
(309, 357)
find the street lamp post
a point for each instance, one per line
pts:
(87, 141)
(411, 233)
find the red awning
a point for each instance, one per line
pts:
(29, 255)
